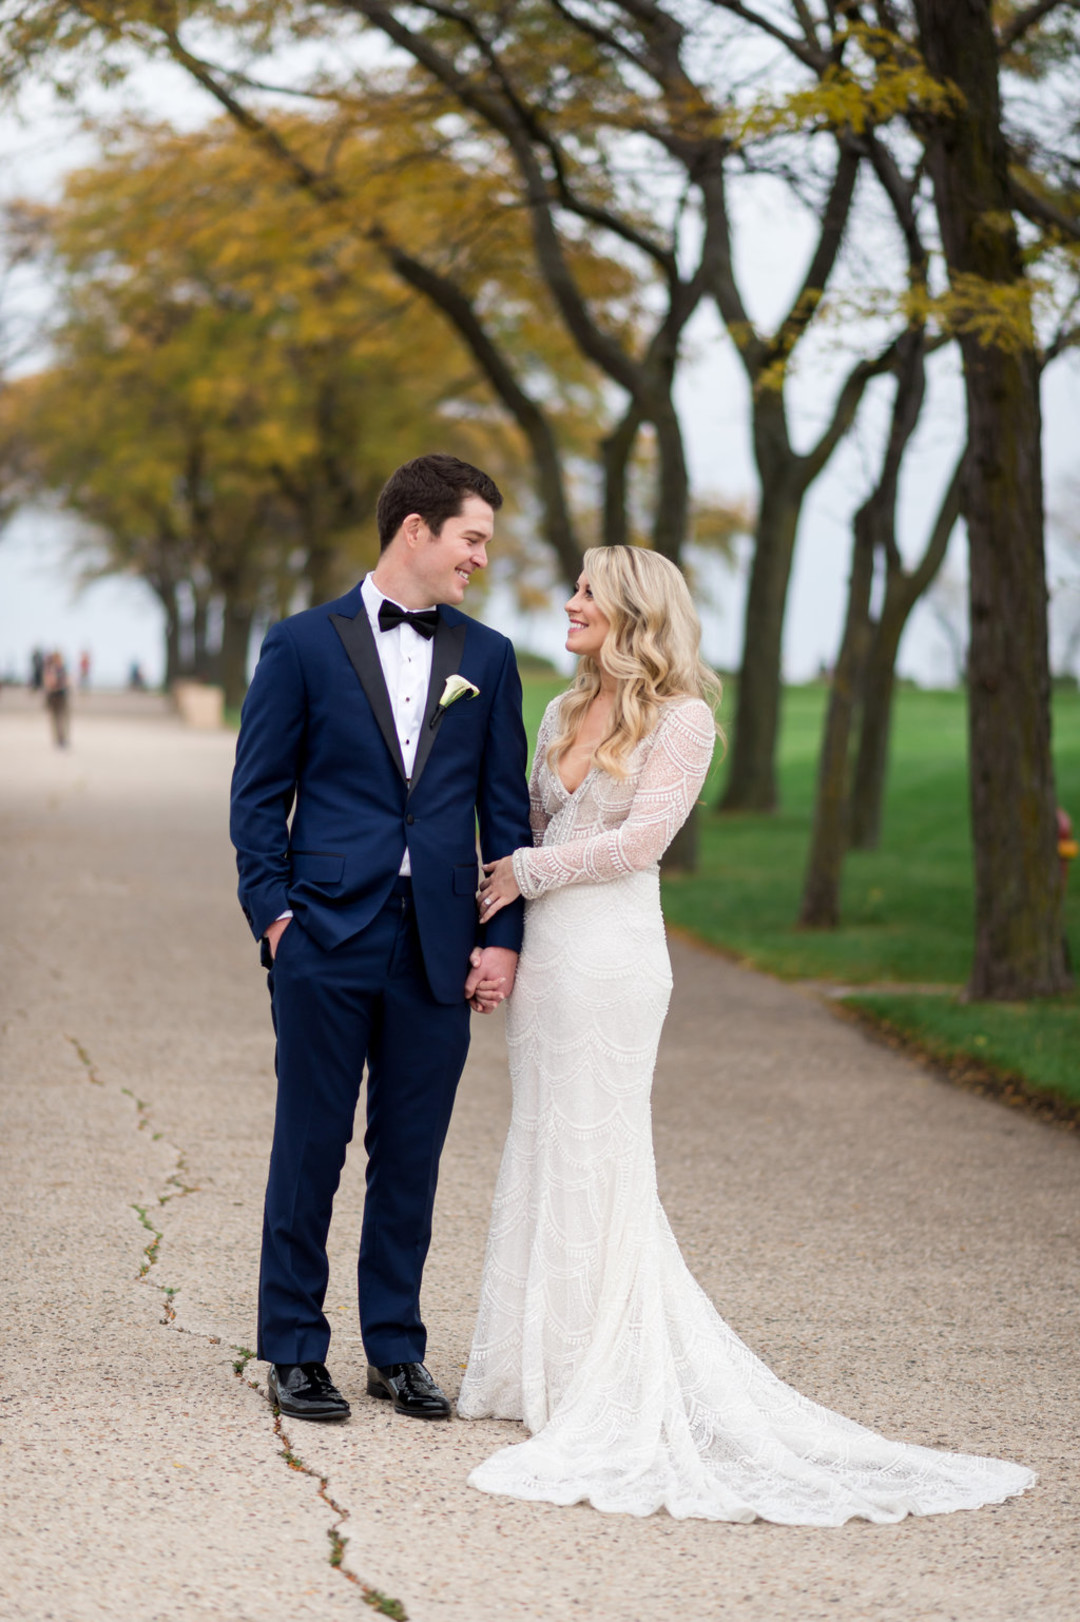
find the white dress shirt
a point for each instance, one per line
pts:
(405, 657)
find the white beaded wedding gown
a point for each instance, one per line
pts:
(591, 1328)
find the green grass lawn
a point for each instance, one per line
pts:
(907, 907)
(1036, 1041)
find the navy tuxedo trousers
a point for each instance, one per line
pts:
(367, 1000)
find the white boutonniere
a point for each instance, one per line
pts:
(456, 687)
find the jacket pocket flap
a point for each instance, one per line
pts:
(318, 866)
(466, 879)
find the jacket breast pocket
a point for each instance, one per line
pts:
(320, 867)
(466, 879)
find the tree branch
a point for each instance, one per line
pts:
(944, 524)
(833, 226)
(1066, 338)
(1022, 22)
(267, 137)
(1038, 209)
(816, 59)
(847, 403)
(723, 282)
(606, 351)
(449, 298)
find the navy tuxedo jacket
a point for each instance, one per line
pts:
(317, 739)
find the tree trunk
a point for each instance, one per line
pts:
(236, 635)
(872, 760)
(203, 662)
(615, 452)
(673, 484)
(902, 591)
(1019, 949)
(165, 592)
(322, 570)
(829, 841)
(751, 784)
(681, 855)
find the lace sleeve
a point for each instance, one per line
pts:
(538, 817)
(670, 782)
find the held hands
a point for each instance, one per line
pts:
(491, 977)
(498, 887)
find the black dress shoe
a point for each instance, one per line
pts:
(410, 1388)
(305, 1391)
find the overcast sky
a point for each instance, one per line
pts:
(118, 621)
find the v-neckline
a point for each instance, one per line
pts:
(571, 792)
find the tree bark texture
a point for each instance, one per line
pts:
(1019, 948)
(751, 783)
(875, 730)
(903, 589)
(615, 451)
(682, 854)
(165, 592)
(820, 907)
(671, 518)
(204, 664)
(237, 619)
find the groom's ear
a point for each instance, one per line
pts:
(414, 530)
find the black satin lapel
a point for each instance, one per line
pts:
(359, 642)
(446, 654)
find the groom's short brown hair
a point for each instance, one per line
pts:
(434, 486)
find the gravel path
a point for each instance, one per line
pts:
(899, 1250)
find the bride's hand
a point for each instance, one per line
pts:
(498, 887)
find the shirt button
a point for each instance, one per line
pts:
(410, 819)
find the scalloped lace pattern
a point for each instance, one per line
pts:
(591, 1330)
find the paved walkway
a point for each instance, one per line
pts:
(899, 1250)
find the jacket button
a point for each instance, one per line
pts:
(410, 819)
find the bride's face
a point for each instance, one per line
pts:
(588, 624)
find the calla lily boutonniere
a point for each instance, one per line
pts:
(456, 687)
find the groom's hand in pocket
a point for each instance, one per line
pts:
(274, 933)
(491, 977)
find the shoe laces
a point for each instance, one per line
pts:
(318, 1377)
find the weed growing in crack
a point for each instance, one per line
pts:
(150, 1259)
(179, 1187)
(88, 1063)
(244, 1356)
(385, 1604)
(142, 1108)
(151, 1251)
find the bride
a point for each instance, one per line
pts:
(591, 1330)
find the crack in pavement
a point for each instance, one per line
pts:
(385, 1604)
(88, 1064)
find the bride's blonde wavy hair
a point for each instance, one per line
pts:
(652, 649)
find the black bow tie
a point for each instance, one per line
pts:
(424, 620)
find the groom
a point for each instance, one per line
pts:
(387, 723)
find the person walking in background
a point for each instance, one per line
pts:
(58, 697)
(37, 670)
(84, 670)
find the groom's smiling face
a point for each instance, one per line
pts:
(443, 564)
